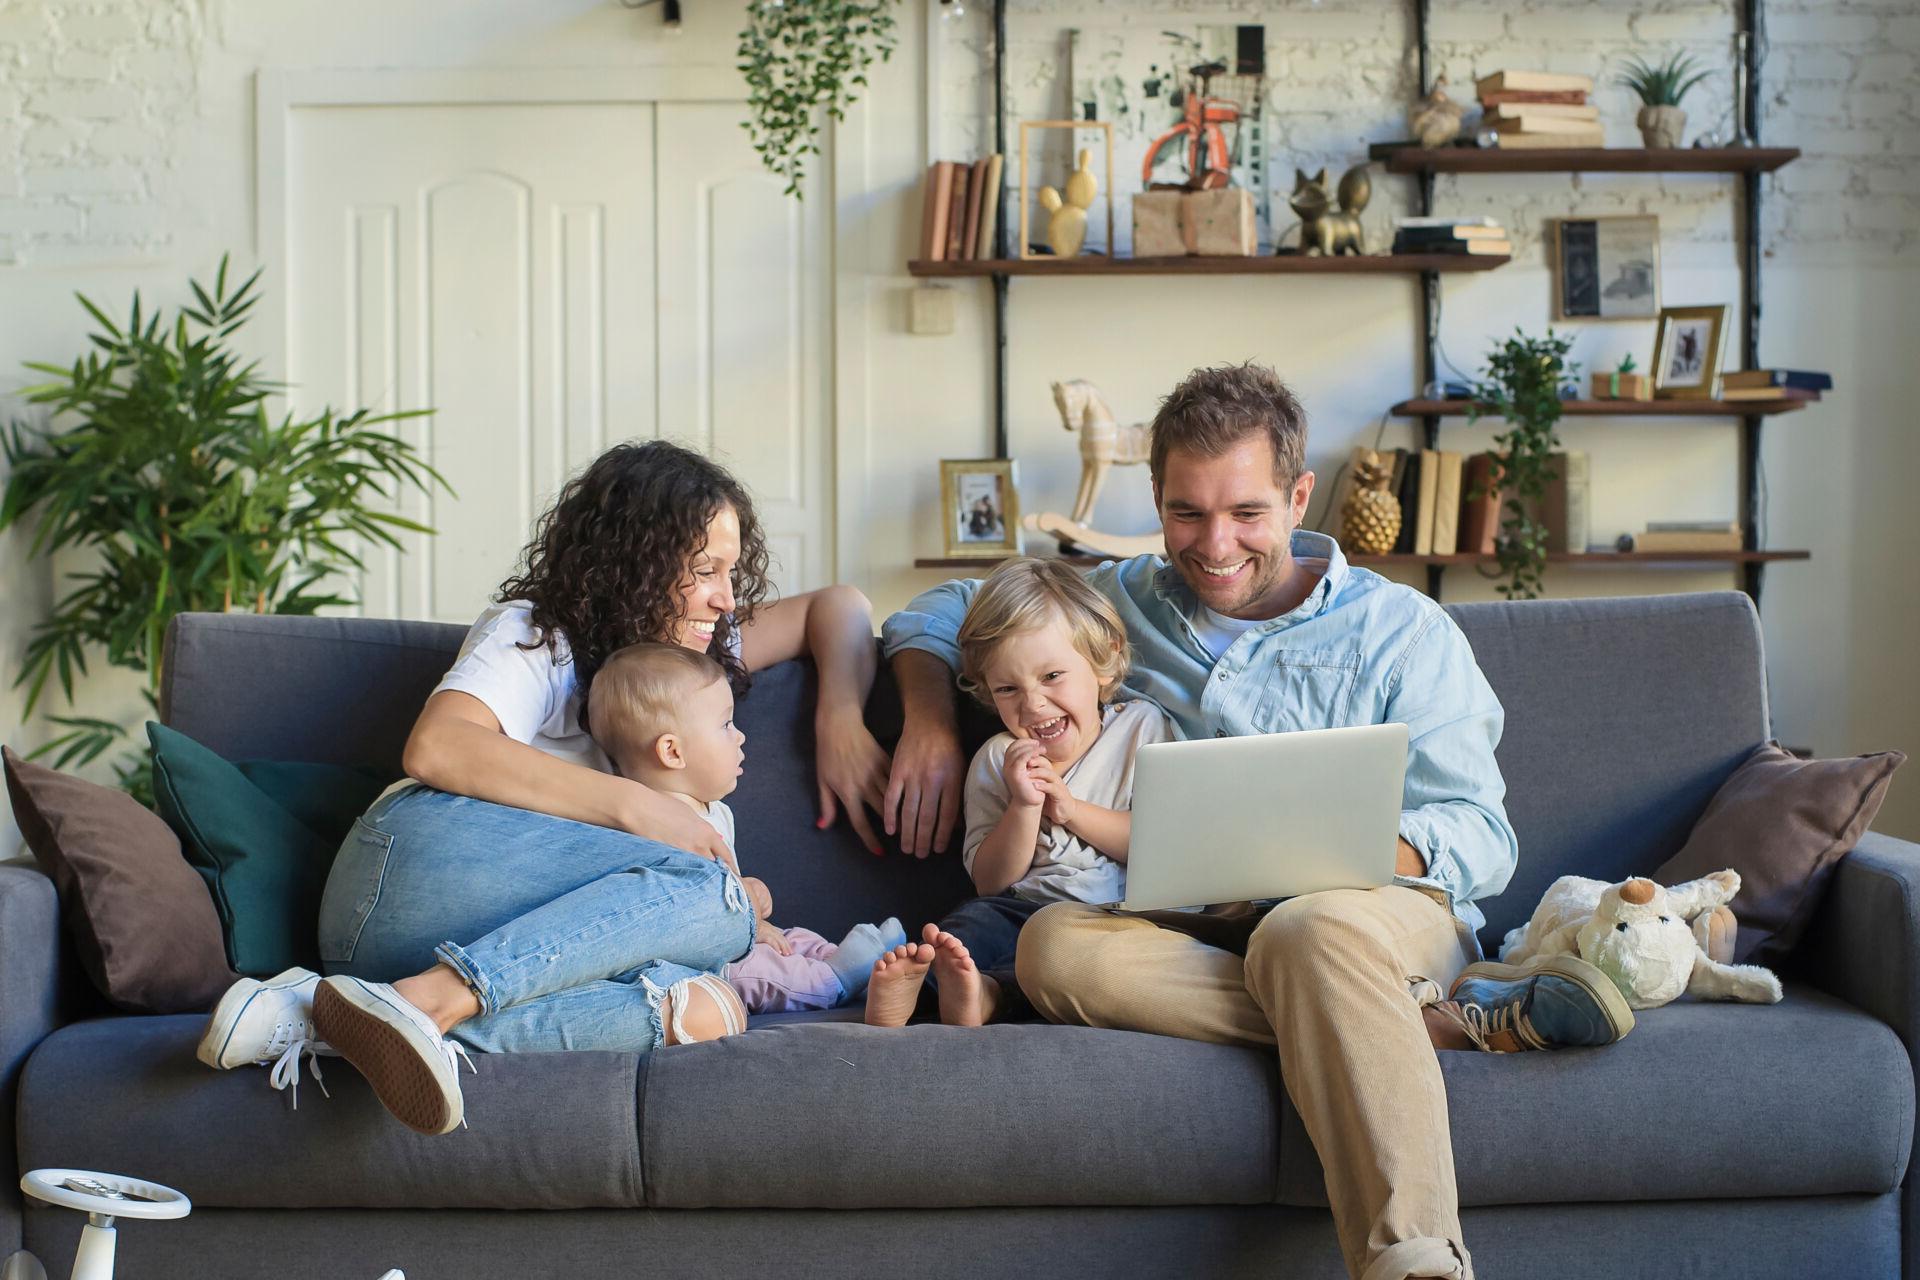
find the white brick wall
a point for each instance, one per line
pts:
(1840, 81)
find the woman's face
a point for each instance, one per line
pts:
(706, 593)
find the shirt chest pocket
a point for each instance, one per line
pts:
(1308, 689)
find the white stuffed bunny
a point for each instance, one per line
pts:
(1652, 942)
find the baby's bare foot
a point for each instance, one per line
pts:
(967, 996)
(894, 989)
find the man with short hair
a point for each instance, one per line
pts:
(1253, 625)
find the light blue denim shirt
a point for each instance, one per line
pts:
(1359, 650)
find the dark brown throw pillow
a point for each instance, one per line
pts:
(139, 916)
(1782, 823)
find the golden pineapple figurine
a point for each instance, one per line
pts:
(1370, 520)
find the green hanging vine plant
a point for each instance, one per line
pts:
(800, 57)
(1522, 385)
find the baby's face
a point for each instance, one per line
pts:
(1045, 689)
(711, 746)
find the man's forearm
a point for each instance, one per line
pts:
(927, 695)
(1408, 862)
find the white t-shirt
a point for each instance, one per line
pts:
(720, 818)
(533, 693)
(1217, 631)
(1066, 868)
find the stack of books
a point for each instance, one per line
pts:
(1775, 384)
(1533, 109)
(1690, 535)
(1475, 236)
(959, 210)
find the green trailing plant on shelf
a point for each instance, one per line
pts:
(1521, 385)
(160, 464)
(802, 58)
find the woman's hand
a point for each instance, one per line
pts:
(852, 774)
(1021, 771)
(663, 818)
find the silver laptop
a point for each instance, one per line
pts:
(1271, 816)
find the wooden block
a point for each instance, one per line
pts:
(1156, 225)
(1219, 224)
(1622, 386)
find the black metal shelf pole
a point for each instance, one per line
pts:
(1429, 283)
(1000, 281)
(1747, 126)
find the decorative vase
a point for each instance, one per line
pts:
(1370, 522)
(1661, 127)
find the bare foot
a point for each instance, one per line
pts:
(968, 997)
(894, 989)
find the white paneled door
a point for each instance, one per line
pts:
(552, 279)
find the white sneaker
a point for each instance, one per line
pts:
(400, 1051)
(267, 1024)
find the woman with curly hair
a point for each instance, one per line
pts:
(517, 892)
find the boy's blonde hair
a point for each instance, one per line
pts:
(634, 695)
(1024, 594)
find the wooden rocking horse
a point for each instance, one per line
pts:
(1103, 443)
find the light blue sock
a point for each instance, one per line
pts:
(864, 944)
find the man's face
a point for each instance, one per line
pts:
(1228, 523)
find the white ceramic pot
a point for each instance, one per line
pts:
(1661, 127)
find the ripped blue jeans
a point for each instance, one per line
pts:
(569, 934)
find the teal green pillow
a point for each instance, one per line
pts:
(262, 835)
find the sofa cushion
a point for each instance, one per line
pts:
(1807, 1097)
(547, 1130)
(140, 920)
(1783, 824)
(829, 1114)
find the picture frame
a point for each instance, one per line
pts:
(980, 508)
(1102, 127)
(1605, 268)
(1687, 352)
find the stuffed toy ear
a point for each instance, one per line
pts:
(1748, 983)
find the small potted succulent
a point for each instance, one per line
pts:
(1661, 87)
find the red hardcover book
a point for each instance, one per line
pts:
(933, 221)
(957, 212)
(976, 193)
(1545, 97)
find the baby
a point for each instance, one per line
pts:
(1048, 802)
(664, 716)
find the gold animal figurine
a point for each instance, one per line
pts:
(1067, 218)
(1103, 441)
(1323, 230)
(1435, 119)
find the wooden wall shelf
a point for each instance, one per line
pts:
(1266, 264)
(1618, 408)
(1601, 559)
(1408, 159)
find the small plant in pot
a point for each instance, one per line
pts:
(1661, 87)
(1522, 385)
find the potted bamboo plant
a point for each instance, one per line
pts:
(1660, 89)
(1522, 385)
(161, 466)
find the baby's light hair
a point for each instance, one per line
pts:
(1025, 594)
(636, 693)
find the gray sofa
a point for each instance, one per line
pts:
(1715, 1140)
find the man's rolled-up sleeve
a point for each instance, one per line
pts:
(1454, 807)
(931, 622)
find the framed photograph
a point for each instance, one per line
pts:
(981, 508)
(1606, 268)
(1686, 353)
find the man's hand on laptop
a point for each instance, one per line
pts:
(1408, 862)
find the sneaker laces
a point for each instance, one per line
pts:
(453, 1049)
(286, 1069)
(1481, 1025)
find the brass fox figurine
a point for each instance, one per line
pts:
(1323, 230)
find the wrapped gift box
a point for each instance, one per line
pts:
(1622, 386)
(1219, 224)
(1156, 225)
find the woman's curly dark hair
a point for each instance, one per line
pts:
(607, 562)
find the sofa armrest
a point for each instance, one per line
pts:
(31, 1007)
(1864, 947)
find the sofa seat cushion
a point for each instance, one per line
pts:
(548, 1131)
(1700, 1101)
(825, 1114)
